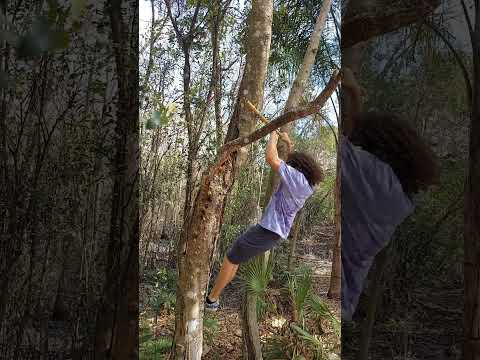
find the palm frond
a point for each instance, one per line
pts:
(300, 285)
(321, 310)
(256, 275)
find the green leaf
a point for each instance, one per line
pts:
(320, 308)
(256, 275)
(306, 336)
(158, 119)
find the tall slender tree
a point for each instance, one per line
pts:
(251, 338)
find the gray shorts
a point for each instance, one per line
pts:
(254, 241)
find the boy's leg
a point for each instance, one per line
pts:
(226, 274)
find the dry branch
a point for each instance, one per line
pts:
(311, 108)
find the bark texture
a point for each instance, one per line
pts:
(252, 349)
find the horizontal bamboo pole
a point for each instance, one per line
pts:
(253, 109)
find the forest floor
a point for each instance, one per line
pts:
(429, 326)
(224, 339)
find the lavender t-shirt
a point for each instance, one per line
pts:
(373, 205)
(289, 197)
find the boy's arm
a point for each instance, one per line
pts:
(271, 154)
(352, 88)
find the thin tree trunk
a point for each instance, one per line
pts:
(298, 87)
(252, 349)
(335, 289)
(217, 71)
(351, 58)
(373, 300)
(152, 46)
(471, 347)
(117, 330)
(185, 41)
(293, 241)
(250, 325)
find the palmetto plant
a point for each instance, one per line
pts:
(299, 286)
(313, 341)
(296, 343)
(256, 274)
(155, 348)
(299, 341)
(321, 311)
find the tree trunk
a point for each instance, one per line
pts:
(252, 349)
(293, 241)
(351, 58)
(151, 48)
(471, 349)
(117, 329)
(373, 299)
(217, 71)
(335, 289)
(185, 42)
(298, 87)
(201, 229)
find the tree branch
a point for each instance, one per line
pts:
(288, 117)
(467, 18)
(174, 22)
(191, 31)
(457, 57)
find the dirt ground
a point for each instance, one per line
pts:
(227, 339)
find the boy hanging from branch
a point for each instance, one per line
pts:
(298, 177)
(384, 163)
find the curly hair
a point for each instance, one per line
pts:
(307, 165)
(395, 142)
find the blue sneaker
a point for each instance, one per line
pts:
(211, 305)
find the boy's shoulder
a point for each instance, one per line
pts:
(369, 181)
(294, 178)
